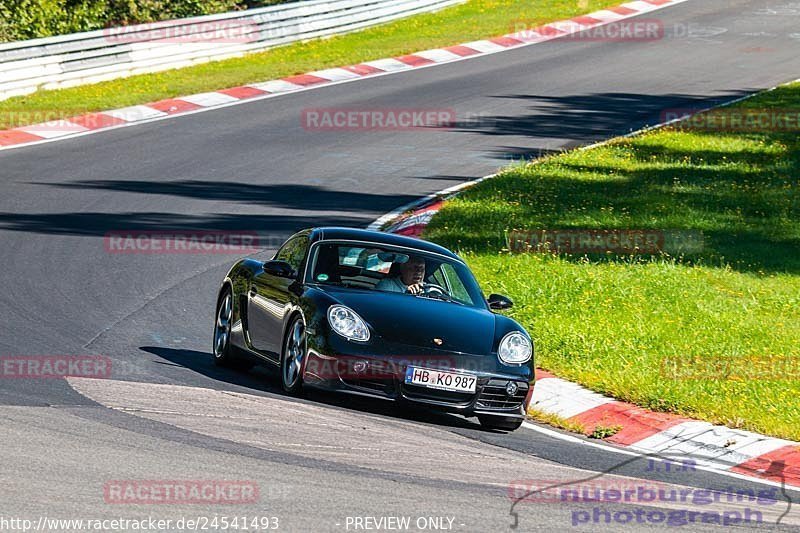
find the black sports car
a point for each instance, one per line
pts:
(380, 315)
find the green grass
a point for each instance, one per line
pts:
(476, 19)
(714, 336)
(556, 421)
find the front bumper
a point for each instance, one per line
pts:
(384, 377)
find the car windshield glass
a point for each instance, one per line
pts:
(399, 270)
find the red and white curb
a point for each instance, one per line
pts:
(410, 219)
(138, 114)
(723, 448)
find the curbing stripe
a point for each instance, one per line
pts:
(208, 99)
(529, 36)
(506, 41)
(702, 439)
(335, 74)
(779, 465)
(305, 80)
(388, 65)
(363, 69)
(415, 60)
(51, 130)
(17, 137)
(606, 15)
(174, 106)
(549, 394)
(719, 447)
(276, 86)
(485, 46)
(438, 55)
(135, 113)
(96, 121)
(622, 10)
(637, 423)
(586, 20)
(461, 50)
(243, 93)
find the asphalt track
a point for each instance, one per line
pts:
(173, 415)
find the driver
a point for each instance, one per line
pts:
(409, 278)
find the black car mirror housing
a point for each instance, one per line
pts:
(281, 269)
(498, 302)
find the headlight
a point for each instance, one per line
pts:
(515, 348)
(347, 323)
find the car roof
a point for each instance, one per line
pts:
(378, 237)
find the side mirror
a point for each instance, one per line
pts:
(498, 302)
(281, 269)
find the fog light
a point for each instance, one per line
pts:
(359, 367)
(511, 388)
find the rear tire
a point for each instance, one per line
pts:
(293, 356)
(504, 423)
(225, 354)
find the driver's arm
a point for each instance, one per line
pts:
(415, 289)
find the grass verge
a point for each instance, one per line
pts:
(555, 421)
(476, 19)
(715, 335)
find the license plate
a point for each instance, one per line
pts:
(436, 379)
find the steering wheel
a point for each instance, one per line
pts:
(432, 290)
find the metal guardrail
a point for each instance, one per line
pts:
(91, 57)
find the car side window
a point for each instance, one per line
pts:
(459, 291)
(293, 252)
(439, 278)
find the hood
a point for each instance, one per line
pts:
(415, 321)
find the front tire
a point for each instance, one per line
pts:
(293, 356)
(504, 423)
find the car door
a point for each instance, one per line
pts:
(269, 300)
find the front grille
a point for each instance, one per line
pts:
(374, 385)
(378, 377)
(424, 393)
(494, 395)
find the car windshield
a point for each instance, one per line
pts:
(387, 269)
